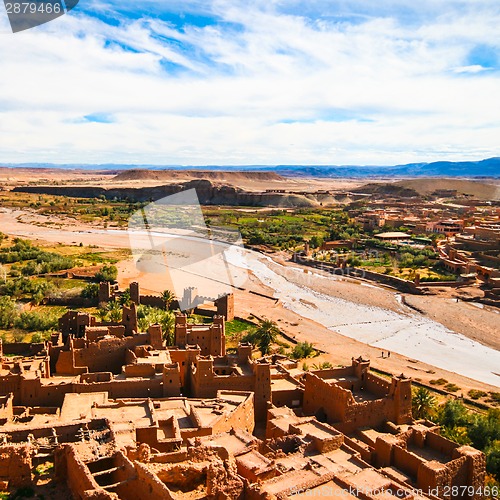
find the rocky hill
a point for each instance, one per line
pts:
(208, 194)
(211, 175)
(408, 188)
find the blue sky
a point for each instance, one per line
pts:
(255, 82)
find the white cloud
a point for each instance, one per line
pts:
(265, 88)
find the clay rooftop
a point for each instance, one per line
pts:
(235, 442)
(284, 384)
(314, 428)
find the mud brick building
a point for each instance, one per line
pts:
(121, 415)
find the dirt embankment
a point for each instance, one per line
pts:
(426, 186)
(208, 194)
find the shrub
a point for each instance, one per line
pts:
(303, 350)
(107, 272)
(451, 387)
(475, 394)
(485, 429)
(439, 381)
(36, 338)
(8, 312)
(34, 321)
(91, 291)
(325, 365)
(495, 396)
(453, 413)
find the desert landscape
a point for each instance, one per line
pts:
(249, 250)
(166, 283)
(444, 312)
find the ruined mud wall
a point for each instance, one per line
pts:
(102, 356)
(69, 468)
(205, 384)
(146, 486)
(242, 418)
(15, 465)
(440, 443)
(367, 414)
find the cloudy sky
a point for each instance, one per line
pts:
(254, 82)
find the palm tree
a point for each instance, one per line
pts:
(102, 312)
(168, 326)
(423, 402)
(115, 311)
(266, 334)
(124, 299)
(168, 296)
(325, 365)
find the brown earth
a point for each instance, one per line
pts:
(185, 175)
(480, 190)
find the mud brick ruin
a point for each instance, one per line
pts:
(120, 415)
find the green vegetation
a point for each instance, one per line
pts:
(344, 228)
(475, 394)
(479, 430)
(263, 336)
(8, 312)
(26, 288)
(108, 213)
(148, 316)
(28, 321)
(303, 350)
(108, 272)
(280, 229)
(423, 403)
(495, 397)
(462, 425)
(91, 291)
(168, 296)
(36, 322)
(44, 469)
(439, 381)
(238, 326)
(325, 365)
(37, 261)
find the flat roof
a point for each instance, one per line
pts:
(314, 428)
(392, 235)
(283, 384)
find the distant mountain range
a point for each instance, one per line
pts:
(471, 169)
(477, 169)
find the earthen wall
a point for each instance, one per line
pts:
(15, 464)
(242, 418)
